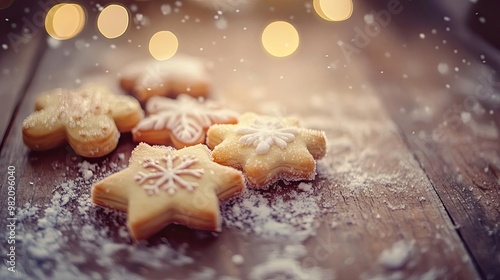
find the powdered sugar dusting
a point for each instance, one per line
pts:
(71, 106)
(306, 187)
(396, 256)
(68, 238)
(86, 170)
(291, 216)
(356, 147)
(285, 268)
(283, 263)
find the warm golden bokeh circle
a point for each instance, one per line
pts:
(280, 39)
(113, 21)
(163, 45)
(65, 21)
(333, 10)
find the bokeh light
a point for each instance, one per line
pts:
(163, 45)
(333, 10)
(113, 21)
(280, 39)
(65, 21)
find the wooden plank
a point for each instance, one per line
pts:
(372, 212)
(446, 105)
(18, 65)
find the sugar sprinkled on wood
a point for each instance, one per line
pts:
(64, 235)
(256, 212)
(397, 256)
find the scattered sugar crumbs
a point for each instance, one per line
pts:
(63, 240)
(66, 238)
(291, 214)
(284, 263)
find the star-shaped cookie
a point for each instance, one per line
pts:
(267, 148)
(181, 122)
(89, 118)
(162, 185)
(180, 74)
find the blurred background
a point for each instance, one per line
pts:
(407, 92)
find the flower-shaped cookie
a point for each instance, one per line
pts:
(181, 122)
(180, 74)
(268, 149)
(162, 185)
(90, 119)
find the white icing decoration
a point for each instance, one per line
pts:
(166, 176)
(185, 117)
(262, 134)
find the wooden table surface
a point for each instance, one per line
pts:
(410, 187)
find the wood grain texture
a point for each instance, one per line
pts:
(16, 74)
(446, 106)
(373, 193)
(22, 44)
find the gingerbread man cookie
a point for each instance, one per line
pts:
(268, 149)
(181, 122)
(90, 119)
(162, 185)
(180, 74)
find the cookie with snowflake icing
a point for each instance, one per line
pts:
(162, 185)
(89, 118)
(179, 74)
(181, 122)
(268, 149)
